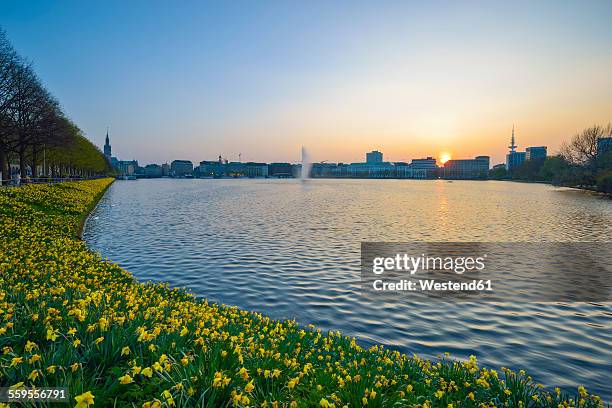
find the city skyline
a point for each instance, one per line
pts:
(525, 162)
(441, 158)
(412, 80)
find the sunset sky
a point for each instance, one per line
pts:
(193, 80)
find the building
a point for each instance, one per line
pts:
(221, 168)
(405, 170)
(233, 169)
(366, 170)
(209, 168)
(371, 170)
(252, 169)
(296, 170)
(153, 171)
(515, 160)
(604, 145)
(427, 164)
(127, 167)
(324, 170)
(107, 149)
(535, 153)
(181, 168)
(165, 170)
(467, 169)
(374, 157)
(280, 170)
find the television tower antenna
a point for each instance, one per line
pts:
(512, 146)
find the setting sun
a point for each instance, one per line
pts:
(444, 157)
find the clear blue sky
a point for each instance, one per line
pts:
(196, 79)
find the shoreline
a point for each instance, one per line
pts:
(90, 210)
(577, 188)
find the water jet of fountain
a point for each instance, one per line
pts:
(306, 165)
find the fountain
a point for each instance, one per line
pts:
(306, 165)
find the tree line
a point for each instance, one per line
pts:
(578, 163)
(34, 132)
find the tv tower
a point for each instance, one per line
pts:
(512, 146)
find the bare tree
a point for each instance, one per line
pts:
(25, 110)
(582, 150)
(32, 122)
(8, 61)
(50, 132)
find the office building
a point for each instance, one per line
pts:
(374, 157)
(514, 160)
(252, 169)
(535, 153)
(371, 170)
(405, 170)
(324, 170)
(428, 164)
(152, 171)
(366, 170)
(604, 145)
(467, 169)
(181, 168)
(209, 168)
(233, 169)
(280, 170)
(296, 170)
(127, 167)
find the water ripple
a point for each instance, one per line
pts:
(291, 250)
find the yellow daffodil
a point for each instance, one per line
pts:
(84, 400)
(249, 387)
(126, 379)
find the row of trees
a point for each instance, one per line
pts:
(578, 163)
(34, 132)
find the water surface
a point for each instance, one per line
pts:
(292, 250)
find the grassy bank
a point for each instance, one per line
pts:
(70, 319)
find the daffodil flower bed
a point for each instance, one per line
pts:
(71, 319)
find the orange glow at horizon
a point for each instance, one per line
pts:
(444, 157)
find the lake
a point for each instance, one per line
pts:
(291, 250)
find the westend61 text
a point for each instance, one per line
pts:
(431, 285)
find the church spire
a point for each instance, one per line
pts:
(107, 146)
